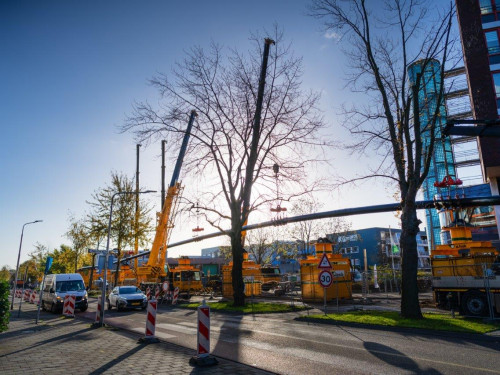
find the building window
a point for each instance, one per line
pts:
(485, 6)
(492, 42)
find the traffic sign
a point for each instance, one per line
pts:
(325, 278)
(324, 263)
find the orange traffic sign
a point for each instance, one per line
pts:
(324, 263)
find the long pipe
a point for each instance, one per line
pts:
(390, 207)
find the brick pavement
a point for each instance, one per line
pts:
(59, 345)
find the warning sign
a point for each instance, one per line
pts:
(324, 263)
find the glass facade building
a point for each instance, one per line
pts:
(442, 159)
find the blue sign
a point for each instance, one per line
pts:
(100, 262)
(48, 264)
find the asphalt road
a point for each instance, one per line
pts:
(280, 344)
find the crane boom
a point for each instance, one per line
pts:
(157, 257)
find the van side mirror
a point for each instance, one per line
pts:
(51, 290)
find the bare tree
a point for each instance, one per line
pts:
(306, 232)
(258, 245)
(227, 149)
(381, 42)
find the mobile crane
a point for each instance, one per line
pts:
(155, 269)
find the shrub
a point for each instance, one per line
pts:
(4, 305)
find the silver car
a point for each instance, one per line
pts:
(127, 297)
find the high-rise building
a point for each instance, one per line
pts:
(442, 163)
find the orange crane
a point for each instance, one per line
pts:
(154, 270)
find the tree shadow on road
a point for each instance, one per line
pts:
(118, 360)
(396, 358)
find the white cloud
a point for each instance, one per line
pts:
(332, 35)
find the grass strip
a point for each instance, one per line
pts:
(438, 322)
(249, 308)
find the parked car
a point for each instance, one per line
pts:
(127, 297)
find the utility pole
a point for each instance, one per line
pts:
(163, 143)
(136, 244)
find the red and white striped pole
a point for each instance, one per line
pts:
(69, 305)
(98, 312)
(148, 293)
(203, 357)
(176, 296)
(33, 296)
(157, 292)
(150, 323)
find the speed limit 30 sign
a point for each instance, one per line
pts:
(325, 278)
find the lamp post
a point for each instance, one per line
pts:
(18, 258)
(104, 279)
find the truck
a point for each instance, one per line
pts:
(465, 273)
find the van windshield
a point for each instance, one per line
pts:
(69, 286)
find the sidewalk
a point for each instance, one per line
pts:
(59, 345)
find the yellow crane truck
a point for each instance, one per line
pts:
(465, 273)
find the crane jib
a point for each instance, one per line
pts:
(182, 151)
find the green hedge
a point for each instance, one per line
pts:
(4, 305)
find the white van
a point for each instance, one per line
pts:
(56, 286)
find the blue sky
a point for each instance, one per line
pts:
(70, 72)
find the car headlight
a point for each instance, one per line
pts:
(85, 296)
(121, 299)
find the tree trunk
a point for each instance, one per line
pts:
(410, 307)
(237, 271)
(117, 273)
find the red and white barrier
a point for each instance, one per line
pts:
(203, 330)
(98, 312)
(69, 305)
(203, 357)
(148, 293)
(33, 296)
(151, 320)
(176, 296)
(18, 293)
(157, 292)
(27, 295)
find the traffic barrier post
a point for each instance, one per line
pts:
(69, 305)
(148, 293)
(27, 295)
(203, 357)
(98, 312)
(176, 296)
(33, 296)
(157, 293)
(149, 337)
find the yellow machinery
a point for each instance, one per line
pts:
(154, 270)
(252, 278)
(185, 277)
(309, 272)
(464, 269)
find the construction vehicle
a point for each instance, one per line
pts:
(185, 277)
(465, 273)
(271, 277)
(155, 270)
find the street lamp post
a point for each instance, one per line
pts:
(18, 258)
(104, 279)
